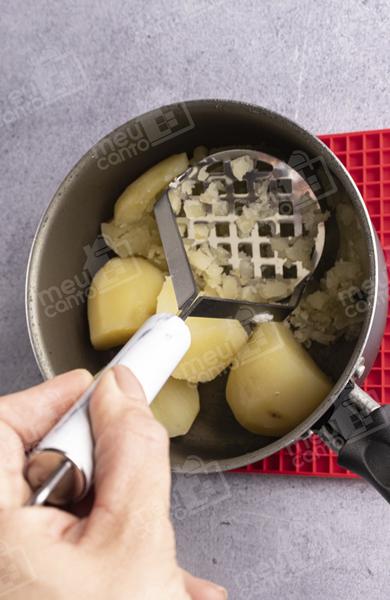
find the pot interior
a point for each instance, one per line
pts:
(68, 251)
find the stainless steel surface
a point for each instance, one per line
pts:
(378, 305)
(360, 369)
(43, 493)
(286, 197)
(245, 312)
(54, 478)
(182, 277)
(272, 180)
(362, 400)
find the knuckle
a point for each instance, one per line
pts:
(95, 401)
(84, 375)
(102, 402)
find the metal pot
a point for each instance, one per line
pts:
(67, 252)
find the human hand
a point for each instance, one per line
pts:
(125, 547)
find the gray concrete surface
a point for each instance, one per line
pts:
(96, 64)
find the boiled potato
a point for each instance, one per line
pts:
(123, 294)
(141, 238)
(214, 342)
(139, 197)
(176, 406)
(274, 384)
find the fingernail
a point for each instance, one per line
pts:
(128, 383)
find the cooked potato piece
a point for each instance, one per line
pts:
(138, 198)
(123, 294)
(214, 342)
(136, 239)
(274, 384)
(176, 406)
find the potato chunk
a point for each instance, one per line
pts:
(136, 239)
(123, 294)
(176, 406)
(214, 342)
(274, 384)
(139, 197)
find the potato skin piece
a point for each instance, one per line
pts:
(123, 294)
(274, 383)
(139, 197)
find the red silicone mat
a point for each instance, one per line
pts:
(366, 155)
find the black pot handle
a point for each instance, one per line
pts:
(359, 431)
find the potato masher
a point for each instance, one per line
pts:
(289, 198)
(60, 468)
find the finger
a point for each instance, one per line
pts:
(132, 475)
(14, 490)
(32, 413)
(33, 527)
(201, 589)
(24, 418)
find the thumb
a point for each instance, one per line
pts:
(201, 589)
(132, 474)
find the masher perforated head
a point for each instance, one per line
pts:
(240, 221)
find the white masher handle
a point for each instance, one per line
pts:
(152, 354)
